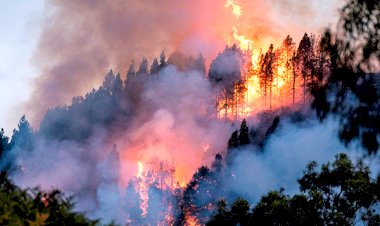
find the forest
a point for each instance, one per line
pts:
(179, 142)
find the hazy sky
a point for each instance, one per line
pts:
(19, 24)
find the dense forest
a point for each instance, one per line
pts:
(164, 114)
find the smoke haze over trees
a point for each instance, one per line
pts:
(178, 139)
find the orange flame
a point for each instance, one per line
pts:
(250, 95)
(191, 220)
(236, 9)
(143, 189)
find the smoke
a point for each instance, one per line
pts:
(285, 156)
(168, 116)
(82, 39)
(172, 122)
(176, 123)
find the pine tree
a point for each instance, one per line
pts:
(155, 67)
(243, 133)
(143, 69)
(350, 90)
(267, 73)
(304, 61)
(23, 137)
(3, 143)
(233, 142)
(163, 62)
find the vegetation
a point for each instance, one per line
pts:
(35, 207)
(350, 91)
(340, 193)
(341, 74)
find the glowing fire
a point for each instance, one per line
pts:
(143, 189)
(191, 220)
(236, 9)
(252, 94)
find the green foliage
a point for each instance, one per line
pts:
(35, 207)
(340, 193)
(239, 214)
(340, 190)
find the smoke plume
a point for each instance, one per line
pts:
(96, 146)
(82, 39)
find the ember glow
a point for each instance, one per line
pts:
(143, 189)
(236, 9)
(166, 119)
(249, 95)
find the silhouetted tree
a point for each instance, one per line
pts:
(273, 127)
(131, 73)
(217, 164)
(350, 91)
(243, 133)
(240, 212)
(108, 81)
(155, 67)
(288, 46)
(143, 69)
(23, 137)
(233, 142)
(273, 209)
(3, 144)
(267, 67)
(304, 61)
(117, 86)
(162, 60)
(199, 64)
(342, 192)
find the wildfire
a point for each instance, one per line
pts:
(236, 9)
(191, 220)
(143, 189)
(266, 77)
(266, 80)
(244, 43)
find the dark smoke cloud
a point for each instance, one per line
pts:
(81, 40)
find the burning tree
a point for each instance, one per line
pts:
(151, 195)
(226, 76)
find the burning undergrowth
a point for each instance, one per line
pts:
(129, 149)
(165, 142)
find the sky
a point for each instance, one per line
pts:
(31, 33)
(19, 23)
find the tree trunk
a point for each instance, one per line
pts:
(304, 89)
(294, 86)
(270, 97)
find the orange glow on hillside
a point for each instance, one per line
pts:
(252, 94)
(153, 156)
